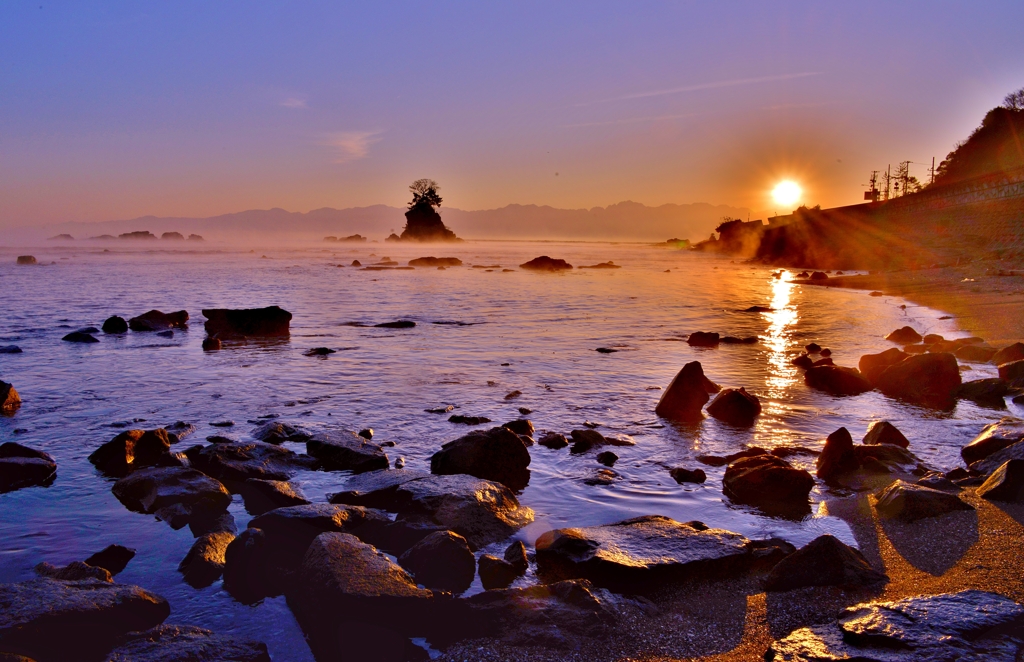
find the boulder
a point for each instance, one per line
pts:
(179, 430)
(53, 620)
(9, 399)
(21, 466)
(26, 259)
(186, 643)
(211, 344)
(986, 466)
(174, 494)
(521, 426)
(545, 263)
(214, 521)
(873, 365)
(79, 337)
(993, 437)
(584, 440)
(837, 380)
(435, 262)
(803, 361)
(346, 450)
(10, 349)
(643, 551)
(1005, 484)
(247, 322)
(1014, 352)
(607, 458)
(685, 396)
(115, 325)
(924, 379)
(969, 626)
(516, 555)
(904, 336)
(468, 420)
(496, 454)
(204, 562)
(553, 440)
(721, 461)
(243, 460)
(767, 481)
(441, 561)
(354, 603)
(131, 450)
(481, 511)
(975, 353)
(819, 275)
(495, 572)
(113, 558)
(683, 475)
(825, 561)
(277, 432)
(1012, 372)
(884, 432)
(908, 503)
(703, 339)
(837, 457)
(155, 320)
(735, 406)
(74, 571)
(263, 495)
(989, 392)
(247, 570)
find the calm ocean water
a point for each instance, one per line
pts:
(470, 324)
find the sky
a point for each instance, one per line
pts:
(113, 110)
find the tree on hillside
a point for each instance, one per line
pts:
(997, 145)
(425, 194)
(1014, 100)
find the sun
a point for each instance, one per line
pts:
(787, 192)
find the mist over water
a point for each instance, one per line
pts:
(470, 323)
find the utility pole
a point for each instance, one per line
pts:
(932, 180)
(872, 193)
(903, 177)
(887, 180)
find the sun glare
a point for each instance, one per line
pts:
(786, 193)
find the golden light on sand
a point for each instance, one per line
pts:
(787, 192)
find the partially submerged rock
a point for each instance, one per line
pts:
(278, 432)
(496, 454)
(989, 392)
(545, 263)
(9, 399)
(873, 365)
(186, 643)
(131, 450)
(174, 494)
(735, 406)
(683, 475)
(908, 503)
(346, 450)
(1005, 484)
(993, 438)
(905, 336)
(1014, 352)
(703, 339)
(243, 460)
(496, 572)
(21, 466)
(769, 482)
(583, 440)
(204, 562)
(441, 561)
(837, 380)
(553, 440)
(113, 558)
(686, 395)
(924, 379)
(247, 322)
(155, 320)
(79, 337)
(263, 495)
(825, 561)
(49, 619)
(435, 262)
(1012, 373)
(837, 457)
(74, 571)
(884, 432)
(115, 325)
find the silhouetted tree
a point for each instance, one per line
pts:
(1014, 100)
(424, 193)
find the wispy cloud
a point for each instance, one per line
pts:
(294, 102)
(630, 120)
(352, 145)
(793, 106)
(705, 86)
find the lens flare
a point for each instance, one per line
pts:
(787, 193)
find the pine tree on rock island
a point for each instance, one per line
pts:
(422, 222)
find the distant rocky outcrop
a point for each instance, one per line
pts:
(423, 223)
(195, 237)
(138, 234)
(26, 259)
(173, 235)
(62, 237)
(545, 263)
(354, 238)
(735, 237)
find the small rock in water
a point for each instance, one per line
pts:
(513, 395)
(520, 426)
(904, 336)
(686, 395)
(211, 344)
(26, 259)
(9, 399)
(441, 561)
(366, 433)
(319, 351)
(75, 571)
(400, 463)
(497, 454)
(495, 572)
(204, 562)
(812, 348)
(836, 380)
(607, 458)
(703, 339)
(525, 411)
(735, 406)
(884, 432)
(155, 320)
(400, 324)
(222, 424)
(10, 349)
(553, 440)
(606, 350)
(684, 475)
(468, 420)
(826, 352)
(1014, 352)
(115, 325)
(165, 334)
(545, 263)
(77, 336)
(247, 322)
(440, 410)
(21, 466)
(113, 558)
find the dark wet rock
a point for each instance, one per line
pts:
(826, 352)
(354, 603)
(115, 325)
(790, 451)
(993, 437)
(819, 275)
(520, 426)
(925, 379)
(276, 432)
(684, 475)
(74, 571)
(435, 262)
(52, 620)
(735, 406)
(812, 348)
(165, 334)
(821, 362)
(837, 457)
(601, 477)
(130, 450)
(179, 430)
(769, 482)
(884, 432)
(721, 461)
(969, 626)
(908, 503)
(155, 320)
(344, 450)
(975, 353)
(885, 458)
(186, 643)
(10, 349)
(78, 336)
(516, 555)
(1012, 372)
(641, 551)
(937, 481)
(686, 395)
(1014, 352)
(247, 322)
(442, 561)
(319, 351)
(986, 466)
(553, 440)
(495, 454)
(512, 395)
(468, 420)
(252, 459)
(247, 568)
(440, 410)
(495, 572)
(904, 336)
(803, 361)
(985, 392)
(9, 399)
(873, 365)
(26, 259)
(204, 562)
(481, 511)
(174, 494)
(602, 265)
(584, 440)
(1005, 484)
(211, 344)
(825, 561)
(223, 424)
(113, 558)
(605, 350)
(262, 495)
(366, 433)
(703, 339)
(221, 439)
(836, 380)
(400, 324)
(733, 340)
(545, 263)
(21, 466)
(607, 458)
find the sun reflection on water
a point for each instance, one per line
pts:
(782, 374)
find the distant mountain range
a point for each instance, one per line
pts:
(625, 221)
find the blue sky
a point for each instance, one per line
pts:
(114, 110)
